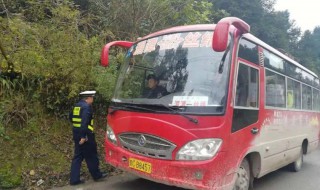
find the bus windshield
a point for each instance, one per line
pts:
(175, 70)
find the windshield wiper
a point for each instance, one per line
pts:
(223, 59)
(116, 108)
(129, 107)
(193, 120)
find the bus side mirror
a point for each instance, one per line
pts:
(104, 59)
(221, 32)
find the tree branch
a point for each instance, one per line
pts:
(5, 9)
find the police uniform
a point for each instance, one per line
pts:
(82, 121)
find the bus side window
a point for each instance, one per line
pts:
(247, 87)
(248, 51)
(242, 88)
(293, 94)
(275, 90)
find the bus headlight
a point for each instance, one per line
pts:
(201, 149)
(111, 136)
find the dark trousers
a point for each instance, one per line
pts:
(88, 152)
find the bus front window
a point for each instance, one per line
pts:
(176, 70)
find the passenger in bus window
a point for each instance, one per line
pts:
(154, 90)
(290, 99)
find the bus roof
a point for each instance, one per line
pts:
(211, 27)
(197, 27)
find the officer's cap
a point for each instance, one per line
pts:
(87, 93)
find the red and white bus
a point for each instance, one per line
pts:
(234, 109)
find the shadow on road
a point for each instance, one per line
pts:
(140, 184)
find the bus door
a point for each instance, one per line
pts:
(246, 99)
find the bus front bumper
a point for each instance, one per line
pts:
(209, 174)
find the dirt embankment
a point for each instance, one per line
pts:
(40, 157)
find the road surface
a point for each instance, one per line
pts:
(307, 179)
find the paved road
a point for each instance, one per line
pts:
(306, 179)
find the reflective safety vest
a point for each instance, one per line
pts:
(76, 119)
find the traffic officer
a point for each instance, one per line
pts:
(85, 146)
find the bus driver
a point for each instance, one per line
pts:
(154, 90)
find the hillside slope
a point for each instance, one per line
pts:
(41, 154)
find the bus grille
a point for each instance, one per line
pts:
(147, 145)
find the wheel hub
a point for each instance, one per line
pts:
(242, 182)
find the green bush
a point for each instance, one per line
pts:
(15, 112)
(9, 177)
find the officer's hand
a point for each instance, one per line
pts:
(82, 140)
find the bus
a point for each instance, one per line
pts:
(235, 108)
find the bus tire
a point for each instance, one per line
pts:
(297, 165)
(243, 176)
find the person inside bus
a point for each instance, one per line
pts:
(154, 90)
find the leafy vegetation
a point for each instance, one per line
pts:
(50, 51)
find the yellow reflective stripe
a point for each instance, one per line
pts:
(76, 119)
(79, 125)
(91, 123)
(76, 110)
(76, 124)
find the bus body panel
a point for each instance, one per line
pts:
(168, 126)
(177, 173)
(282, 135)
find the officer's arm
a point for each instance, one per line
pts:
(70, 115)
(85, 120)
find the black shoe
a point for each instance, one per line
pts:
(103, 175)
(77, 183)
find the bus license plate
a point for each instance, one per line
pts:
(140, 165)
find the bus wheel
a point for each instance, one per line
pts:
(243, 176)
(297, 165)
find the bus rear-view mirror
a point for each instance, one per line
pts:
(221, 32)
(104, 59)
